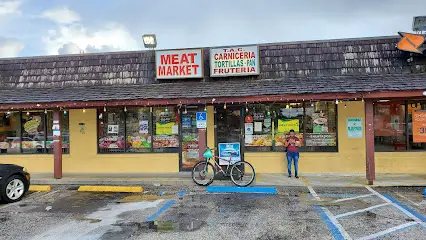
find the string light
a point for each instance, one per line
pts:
(8, 113)
(45, 111)
(166, 110)
(28, 113)
(287, 106)
(104, 108)
(185, 111)
(125, 109)
(65, 112)
(205, 108)
(362, 99)
(84, 110)
(337, 101)
(224, 106)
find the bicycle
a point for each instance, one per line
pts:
(238, 171)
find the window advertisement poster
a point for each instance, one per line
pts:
(143, 126)
(174, 64)
(320, 139)
(108, 142)
(281, 139)
(229, 151)
(354, 126)
(258, 126)
(248, 128)
(419, 126)
(234, 61)
(260, 140)
(285, 125)
(139, 142)
(186, 121)
(113, 129)
(164, 128)
(320, 122)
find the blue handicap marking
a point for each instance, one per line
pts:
(201, 116)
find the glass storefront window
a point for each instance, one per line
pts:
(10, 132)
(166, 130)
(389, 126)
(33, 132)
(320, 127)
(64, 132)
(138, 130)
(111, 130)
(289, 116)
(258, 128)
(417, 125)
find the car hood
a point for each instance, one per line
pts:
(9, 166)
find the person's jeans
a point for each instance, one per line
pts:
(292, 156)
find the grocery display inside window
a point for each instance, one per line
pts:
(166, 129)
(10, 132)
(111, 130)
(138, 130)
(289, 116)
(258, 127)
(320, 127)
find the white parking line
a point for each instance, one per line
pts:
(398, 207)
(331, 217)
(314, 194)
(412, 202)
(352, 198)
(387, 231)
(362, 210)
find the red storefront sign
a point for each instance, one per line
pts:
(185, 63)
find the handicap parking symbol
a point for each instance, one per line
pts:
(201, 116)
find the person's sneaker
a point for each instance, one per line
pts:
(289, 176)
(297, 176)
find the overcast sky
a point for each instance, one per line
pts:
(49, 27)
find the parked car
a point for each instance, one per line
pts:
(14, 182)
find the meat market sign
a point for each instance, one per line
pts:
(185, 63)
(234, 61)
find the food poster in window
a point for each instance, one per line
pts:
(419, 126)
(319, 122)
(190, 150)
(166, 130)
(111, 142)
(320, 139)
(281, 139)
(33, 132)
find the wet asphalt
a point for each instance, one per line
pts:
(165, 213)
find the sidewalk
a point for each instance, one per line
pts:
(184, 179)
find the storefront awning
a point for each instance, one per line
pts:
(290, 89)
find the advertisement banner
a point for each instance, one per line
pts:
(320, 139)
(234, 61)
(320, 123)
(143, 126)
(185, 63)
(419, 126)
(225, 150)
(285, 125)
(164, 128)
(354, 126)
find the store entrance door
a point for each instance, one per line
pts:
(229, 130)
(190, 148)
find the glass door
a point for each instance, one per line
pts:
(229, 131)
(190, 149)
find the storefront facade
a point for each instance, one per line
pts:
(356, 105)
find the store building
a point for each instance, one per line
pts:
(356, 105)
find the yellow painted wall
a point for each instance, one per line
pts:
(349, 159)
(400, 162)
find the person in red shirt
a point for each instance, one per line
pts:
(292, 144)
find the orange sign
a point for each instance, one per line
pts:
(410, 42)
(419, 127)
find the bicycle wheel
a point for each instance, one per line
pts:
(203, 173)
(242, 173)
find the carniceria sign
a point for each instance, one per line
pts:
(234, 61)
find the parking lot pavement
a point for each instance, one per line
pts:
(190, 213)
